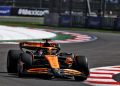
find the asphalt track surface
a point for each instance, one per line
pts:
(103, 52)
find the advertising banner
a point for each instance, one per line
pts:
(93, 22)
(29, 12)
(5, 11)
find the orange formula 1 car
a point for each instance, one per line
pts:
(46, 59)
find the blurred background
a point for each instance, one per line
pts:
(68, 13)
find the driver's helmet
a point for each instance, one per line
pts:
(46, 44)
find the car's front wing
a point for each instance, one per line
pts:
(59, 72)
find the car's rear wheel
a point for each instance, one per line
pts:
(81, 65)
(25, 62)
(12, 59)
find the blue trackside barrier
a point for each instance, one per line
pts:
(117, 24)
(78, 21)
(83, 21)
(5, 11)
(93, 22)
(108, 22)
(65, 20)
(51, 19)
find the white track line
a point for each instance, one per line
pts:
(102, 76)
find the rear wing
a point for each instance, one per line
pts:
(30, 45)
(35, 45)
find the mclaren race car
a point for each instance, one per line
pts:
(45, 59)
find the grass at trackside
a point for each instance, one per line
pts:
(39, 25)
(21, 24)
(62, 37)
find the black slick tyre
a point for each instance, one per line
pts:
(81, 65)
(25, 62)
(12, 59)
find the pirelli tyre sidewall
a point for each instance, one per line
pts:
(24, 62)
(12, 59)
(81, 65)
(26, 59)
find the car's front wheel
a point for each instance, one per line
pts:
(81, 65)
